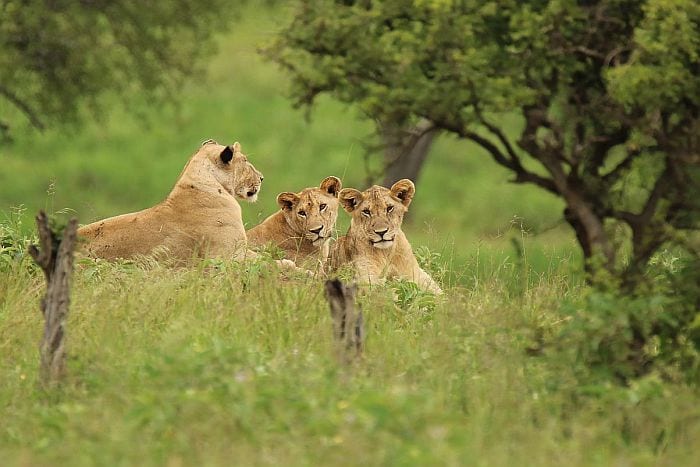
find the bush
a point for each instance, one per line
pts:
(624, 336)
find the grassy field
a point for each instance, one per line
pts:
(221, 364)
(216, 365)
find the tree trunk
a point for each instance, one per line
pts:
(406, 151)
(56, 260)
(589, 230)
(581, 215)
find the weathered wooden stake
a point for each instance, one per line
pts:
(56, 260)
(348, 324)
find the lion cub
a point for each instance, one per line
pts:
(199, 216)
(303, 225)
(375, 246)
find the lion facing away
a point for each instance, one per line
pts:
(200, 216)
(303, 225)
(375, 246)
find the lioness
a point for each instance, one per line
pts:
(303, 225)
(375, 246)
(200, 215)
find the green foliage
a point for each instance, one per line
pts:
(396, 58)
(57, 59)
(662, 72)
(654, 331)
(410, 297)
(432, 262)
(13, 243)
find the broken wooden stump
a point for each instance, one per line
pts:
(348, 324)
(55, 257)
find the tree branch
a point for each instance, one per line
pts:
(638, 222)
(602, 144)
(660, 187)
(522, 175)
(550, 156)
(588, 52)
(614, 175)
(498, 133)
(22, 106)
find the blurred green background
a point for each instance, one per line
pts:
(127, 160)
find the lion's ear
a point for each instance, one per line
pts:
(287, 200)
(350, 198)
(404, 190)
(226, 155)
(236, 147)
(331, 185)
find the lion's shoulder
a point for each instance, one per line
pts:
(269, 230)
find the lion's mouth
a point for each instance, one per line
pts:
(383, 243)
(249, 194)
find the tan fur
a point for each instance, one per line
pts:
(295, 227)
(375, 246)
(199, 217)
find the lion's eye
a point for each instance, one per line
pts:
(302, 213)
(389, 209)
(323, 207)
(366, 212)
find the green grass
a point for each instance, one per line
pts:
(221, 364)
(218, 364)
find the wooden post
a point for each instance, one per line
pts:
(348, 323)
(55, 257)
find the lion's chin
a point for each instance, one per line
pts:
(318, 241)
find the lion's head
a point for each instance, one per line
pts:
(232, 170)
(377, 213)
(313, 211)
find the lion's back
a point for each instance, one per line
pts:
(123, 236)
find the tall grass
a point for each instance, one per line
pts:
(221, 363)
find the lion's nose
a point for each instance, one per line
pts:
(381, 232)
(316, 231)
